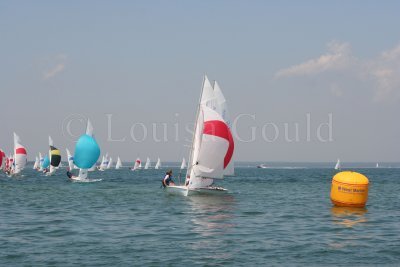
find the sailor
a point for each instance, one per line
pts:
(167, 181)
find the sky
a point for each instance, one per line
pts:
(331, 70)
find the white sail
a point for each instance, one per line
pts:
(148, 163)
(222, 109)
(41, 159)
(36, 164)
(110, 162)
(377, 165)
(20, 155)
(119, 164)
(337, 166)
(104, 163)
(208, 97)
(183, 165)
(158, 164)
(70, 160)
(89, 131)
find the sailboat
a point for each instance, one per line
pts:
(377, 165)
(87, 152)
(110, 162)
(54, 156)
(104, 163)
(70, 160)
(158, 164)
(20, 156)
(119, 164)
(148, 163)
(337, 166)
(36, 164)
(212, 148)
(183, 165)
(41, 159)
(2, 159)
(138, 165)
(222, 109)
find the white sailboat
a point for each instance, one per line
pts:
(36, 164)
(41, 160)
(104, 163)
(158, 164)
(20, 156)
(183, 165)
(377, 165)
(110, 162)
(119, 164)
(148, 164)
(222, 109)
(212, 148)
(70, 158)
(337, 166)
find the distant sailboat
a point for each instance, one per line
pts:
(183, 165)
(87, 152)
(70, 160)
(337, 166)
(36, 164)
(55, 157)
(110, 162)
(20, 156)
(138, 165)
(2, 160)
(148, 163)
(212, 148)
(41, 159)
(104, 163)
(158, 164)
(119, 164)
(377, 165)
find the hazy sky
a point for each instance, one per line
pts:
(278, 63)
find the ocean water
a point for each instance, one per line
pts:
(269, 217)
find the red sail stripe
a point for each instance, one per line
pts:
(20, 150)
(220, 129)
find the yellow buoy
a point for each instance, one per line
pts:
(349, 189)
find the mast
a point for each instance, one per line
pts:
(190, 165)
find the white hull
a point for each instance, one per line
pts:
(185, 191)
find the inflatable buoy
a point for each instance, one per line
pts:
(349, 189)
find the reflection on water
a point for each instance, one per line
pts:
(348, 216)
(211, 217)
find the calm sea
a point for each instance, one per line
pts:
(277, 216)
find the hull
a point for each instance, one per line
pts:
(185, 191)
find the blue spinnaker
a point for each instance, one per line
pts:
(87, 152)
(46, 162)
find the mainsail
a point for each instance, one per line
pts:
(183, 165)
(110, 162)
(70, 160)
(148, 163)
(119, 164)
(158, 164)
(337, 166)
